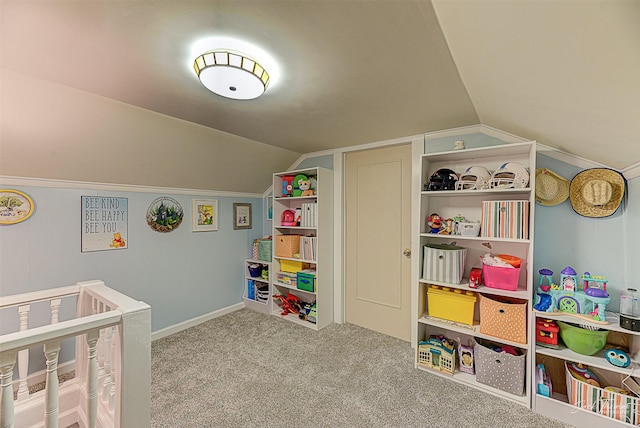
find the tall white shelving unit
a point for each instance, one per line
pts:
(449, 203)
(323, 231)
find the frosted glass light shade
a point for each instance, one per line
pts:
(231, 74)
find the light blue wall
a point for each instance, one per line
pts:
(597, 245)
(320, 161)
(632, 234)
(181, 274)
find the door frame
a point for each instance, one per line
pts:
(339, 266)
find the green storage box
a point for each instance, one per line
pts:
(307, 280)
(264, 250)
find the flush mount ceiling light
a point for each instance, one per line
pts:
(231, 74)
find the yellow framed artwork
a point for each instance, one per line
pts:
(15, 206)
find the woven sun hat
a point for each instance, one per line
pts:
(551, 189)
(597, 192)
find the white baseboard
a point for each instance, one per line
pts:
(168, 331)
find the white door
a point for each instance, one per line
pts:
(378, 235)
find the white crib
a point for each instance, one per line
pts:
(111, 387)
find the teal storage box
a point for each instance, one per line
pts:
(307, 280)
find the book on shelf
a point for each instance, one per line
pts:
(308, 247)
(309, 216)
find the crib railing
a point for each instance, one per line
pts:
(112, 380)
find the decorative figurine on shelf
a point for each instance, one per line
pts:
(585, 300)
(459, 218)
(305, 186)
(447, 228)
(434, 221)
(297, 181)
(287, 185)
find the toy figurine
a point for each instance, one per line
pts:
(287, 185)
(447, 228)
(298, 180)
(434, 221)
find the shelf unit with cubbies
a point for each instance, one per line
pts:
(468, 203)
(317, 223)
(253, 284)
(558, 405)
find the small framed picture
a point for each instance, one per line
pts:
(241, 216)
(204, 215)
(269, 207)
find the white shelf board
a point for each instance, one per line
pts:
(520, 293)
(612, 318)
(596, 360)
(501, 150)
(470, 380)
(295, 198)
(296, 227)
(291, 287)
(473, 330)
(257, 279)
(294, 318)
(558, 408)
(473, 238)
(525, 191)
(296, 260)
(256, 306)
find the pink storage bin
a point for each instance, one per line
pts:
(503, 278)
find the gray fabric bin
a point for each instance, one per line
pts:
(503, 371)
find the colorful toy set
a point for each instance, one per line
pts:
(438, 353)
(547, 333)
(457, 225)
(298, 185)
(586, 299)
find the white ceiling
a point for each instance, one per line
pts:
(566, 73)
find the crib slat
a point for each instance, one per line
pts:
(92, 379)
(7, 361)
(23, 355)
(51, 350)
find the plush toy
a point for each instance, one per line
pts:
(299, 179)
(305, 186)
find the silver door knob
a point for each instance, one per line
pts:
(406, 252)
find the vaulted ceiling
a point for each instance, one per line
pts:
(352, 72)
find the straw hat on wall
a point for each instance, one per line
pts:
(551, 189)
(597, 192)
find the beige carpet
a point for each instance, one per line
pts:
(248, 369)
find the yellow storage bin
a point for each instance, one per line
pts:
(292, 266)
(451, 304)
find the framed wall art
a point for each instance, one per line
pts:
(104, 223)
(15, 206)
(269, 207)
(241, 216)
(205, 215)
(164, 214)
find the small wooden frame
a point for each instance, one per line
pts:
(242, 216)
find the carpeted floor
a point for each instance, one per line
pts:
(247, 369)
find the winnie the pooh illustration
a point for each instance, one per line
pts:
(117, 242)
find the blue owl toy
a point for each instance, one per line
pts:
(618, 358)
